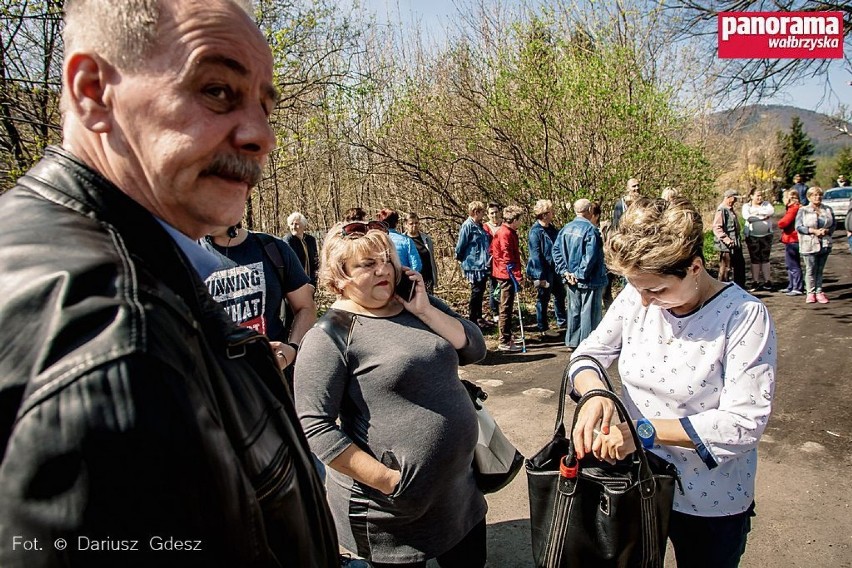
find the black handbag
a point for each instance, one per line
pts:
(592, 513)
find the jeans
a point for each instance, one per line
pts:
(709, 542)
(471, 552)
(794, 266)
(507, 306)
(557, 290)
(814, 265)
(584, 313)
(477, 292)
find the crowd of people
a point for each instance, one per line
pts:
(168, 378)
(806, 229)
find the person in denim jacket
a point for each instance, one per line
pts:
(579, 258)
(815, 224)
(472, 253)
(541, 269)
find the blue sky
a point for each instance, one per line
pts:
(436, 14)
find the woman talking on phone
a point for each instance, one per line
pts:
(379, 398)
(696, 358)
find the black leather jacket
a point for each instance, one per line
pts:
(137, 422)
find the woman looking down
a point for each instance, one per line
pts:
(696, 358)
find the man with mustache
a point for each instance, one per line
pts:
(138, 425)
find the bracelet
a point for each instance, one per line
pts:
(280, 353)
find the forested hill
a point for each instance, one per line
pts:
(827, 140)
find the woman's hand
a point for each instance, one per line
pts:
(597, 414)
(616, 445)
(419, 301)
(390, 481)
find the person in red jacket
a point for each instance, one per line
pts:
(506, 257)
(790, 238)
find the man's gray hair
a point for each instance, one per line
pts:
(121, 31)
(582, 205)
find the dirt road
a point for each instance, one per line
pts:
(804, 488)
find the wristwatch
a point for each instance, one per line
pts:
(647, 433)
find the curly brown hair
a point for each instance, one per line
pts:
(656, 236)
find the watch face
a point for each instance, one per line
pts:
(645, 430)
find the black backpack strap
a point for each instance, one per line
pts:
(270, 249)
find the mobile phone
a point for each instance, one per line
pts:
(405, 288)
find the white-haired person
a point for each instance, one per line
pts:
(579, 259)
(380, 401)
(815, 223)
(696, 357)
(303, 244)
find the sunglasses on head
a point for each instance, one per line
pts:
(361, 228)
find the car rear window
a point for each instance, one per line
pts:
(844, 193)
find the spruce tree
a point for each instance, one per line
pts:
(797, 152)
(843, 163)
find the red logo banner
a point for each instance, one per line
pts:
(780, 35)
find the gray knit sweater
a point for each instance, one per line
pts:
(398, 397)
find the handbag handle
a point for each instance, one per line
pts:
(563, 391)
(644, 468)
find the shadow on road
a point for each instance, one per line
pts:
(501, 358)
(510, 544)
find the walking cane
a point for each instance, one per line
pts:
(517, 287)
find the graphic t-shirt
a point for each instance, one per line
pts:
(249, 288)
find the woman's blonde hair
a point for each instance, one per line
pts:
(656, 236)
(542, 207)
(339, 248)
(790, 194)
(814, 190)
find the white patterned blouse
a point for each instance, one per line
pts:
(714, 369)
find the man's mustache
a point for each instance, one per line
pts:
(234, 167)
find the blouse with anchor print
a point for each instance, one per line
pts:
(714, 369)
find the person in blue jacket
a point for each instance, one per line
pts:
(472, 253)
(542, 270)
(579, 258)
(405, 247)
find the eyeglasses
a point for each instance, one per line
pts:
(362, 227)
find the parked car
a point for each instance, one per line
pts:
(838, 199)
